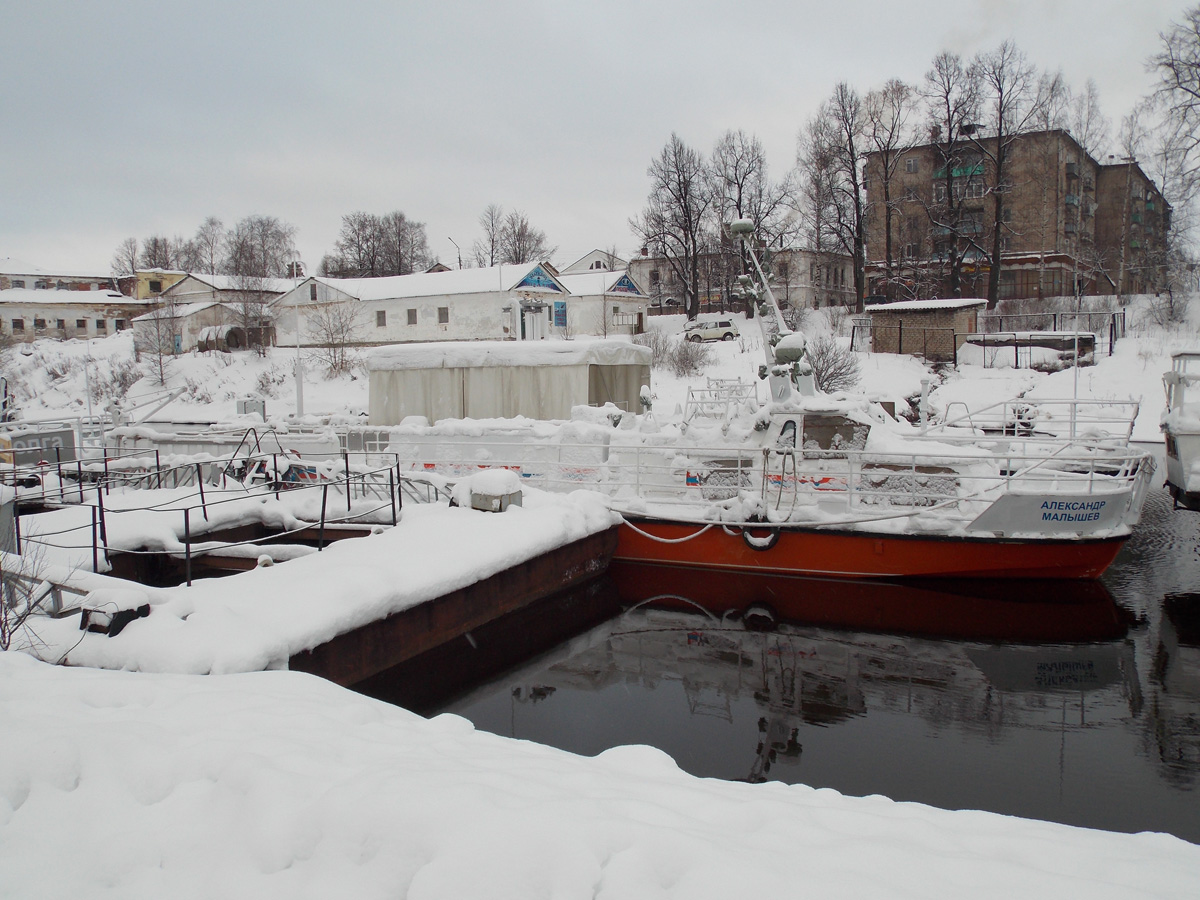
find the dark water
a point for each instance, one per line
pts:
(1075, 703)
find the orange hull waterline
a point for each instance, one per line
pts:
(846, 554)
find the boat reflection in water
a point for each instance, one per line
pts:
(822, 652)
(1021, 697)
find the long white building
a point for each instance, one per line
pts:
(530, 301)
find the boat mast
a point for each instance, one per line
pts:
(787, 366)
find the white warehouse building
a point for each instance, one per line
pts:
(530, 301)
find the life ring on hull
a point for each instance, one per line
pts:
(765, 542)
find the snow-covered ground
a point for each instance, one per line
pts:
(276, 784)
(272, 783)
(53, 378)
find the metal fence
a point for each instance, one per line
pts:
(998, 348)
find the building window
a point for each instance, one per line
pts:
(312, 292)
(909, 251)
(41, 285)
(380, 318)
(120, 323)
(412, 317)
(18, 326)
(39, 324)
(81, 324)
(654, 276)
(101, 325)
(910, 164)
(60, 324)
(443, 315)
(156, 287)
(18, 283)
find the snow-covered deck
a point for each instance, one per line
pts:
(261, 618)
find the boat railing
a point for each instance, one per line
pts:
(792, 482)
(719, 400)
(1049, 419)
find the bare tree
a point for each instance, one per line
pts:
(210, 245)
(834, 366)
(1087, 123)
(155, 336)
(358, 248)
(889, 134)
(487, 249)
(1008, 87)
(156, 253)
(951, 92)
(742, 189)
(125, 259)
(404, 248)
(1177, 65)
(521, 242)
(835, 147)
(677, 214)
(260, 246)
(333, 328)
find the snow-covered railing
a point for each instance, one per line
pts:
(367, 493)
(1109, 421)
(957, 483)
(722, 398)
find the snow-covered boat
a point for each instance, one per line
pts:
(1181, 425)
(832, 485)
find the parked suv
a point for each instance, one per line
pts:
(710, 330)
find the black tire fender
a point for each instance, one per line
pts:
(763, 543)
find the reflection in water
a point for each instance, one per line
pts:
(1045, 700)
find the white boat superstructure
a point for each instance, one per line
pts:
(1181, 426)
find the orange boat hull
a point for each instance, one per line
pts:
(843, 554)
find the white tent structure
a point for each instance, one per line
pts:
(503, 379)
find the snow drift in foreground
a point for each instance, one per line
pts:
(278, 784)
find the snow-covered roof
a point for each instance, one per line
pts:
(475, 354)
(11, 266)
(601, 281)
(228, 283)
(32, 297)
(582, 264)
(436, 284)
(918, 305)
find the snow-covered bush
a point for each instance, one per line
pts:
(659, 343)
(687, 358)
(269, 379)
(834, 366)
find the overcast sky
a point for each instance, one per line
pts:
(137, 118)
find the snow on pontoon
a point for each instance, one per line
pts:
(1181, 426)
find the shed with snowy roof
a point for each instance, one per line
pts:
(503, 379)
(934, 329)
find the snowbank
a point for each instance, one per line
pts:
(279, 785)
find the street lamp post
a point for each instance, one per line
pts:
(456, 247)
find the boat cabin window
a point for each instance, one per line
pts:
(787, 436)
